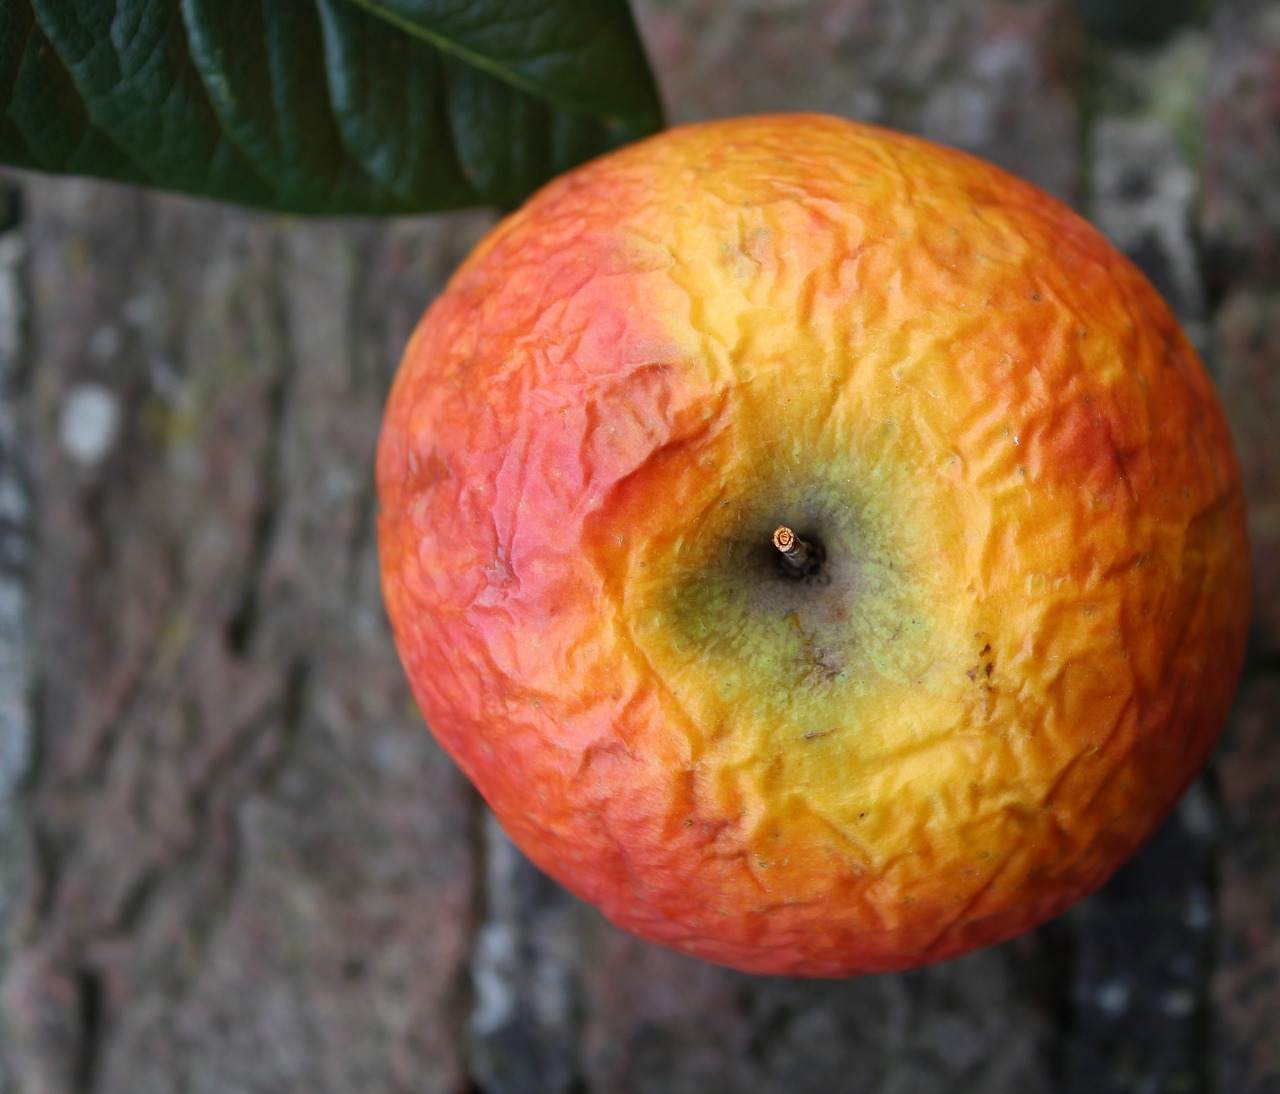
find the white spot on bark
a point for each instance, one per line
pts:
(89, 422)
(1113, 997)
(1178, 1003)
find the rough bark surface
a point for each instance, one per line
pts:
(232, 859)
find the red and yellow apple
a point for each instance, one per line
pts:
(1018, 616)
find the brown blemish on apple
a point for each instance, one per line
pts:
(985, 666)
(819, 662)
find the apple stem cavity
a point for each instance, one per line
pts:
(799, 557)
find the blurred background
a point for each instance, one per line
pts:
(231, 857)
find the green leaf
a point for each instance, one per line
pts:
(322, 106)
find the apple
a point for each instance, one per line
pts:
(823, 551)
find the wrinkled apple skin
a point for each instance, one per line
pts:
(1032, 615)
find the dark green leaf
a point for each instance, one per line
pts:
(322, 106)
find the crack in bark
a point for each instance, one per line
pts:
(90, 1015)
(243, 621)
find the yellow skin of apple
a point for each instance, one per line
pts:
(1031, 616)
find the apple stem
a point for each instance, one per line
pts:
(796, 553)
